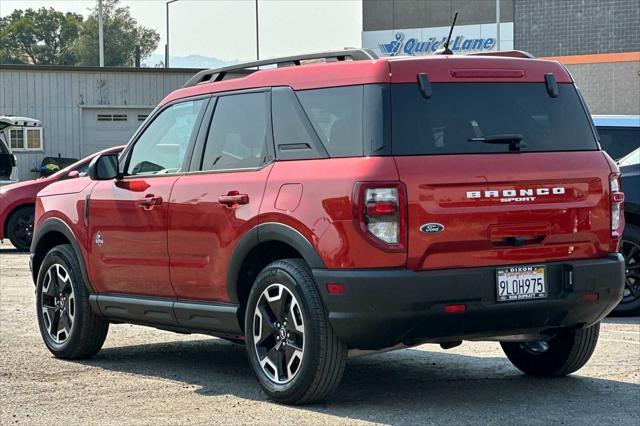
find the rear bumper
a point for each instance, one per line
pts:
(384, 307)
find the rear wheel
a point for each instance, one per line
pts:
(630, 249)
(68, 326)
(291, 346)
(20, 227)
(564, 354)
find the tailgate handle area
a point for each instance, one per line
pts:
(518, 235)
(518, 241)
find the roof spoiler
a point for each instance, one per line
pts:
(506, 53)
(243, 69)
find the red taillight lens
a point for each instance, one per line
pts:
(454, 309)
(617, 199)
(335, 288)
(381, 213)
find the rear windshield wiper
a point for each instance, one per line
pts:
(514, 140)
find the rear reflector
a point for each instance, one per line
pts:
(591, 296)
(335, 288)
(454, 309)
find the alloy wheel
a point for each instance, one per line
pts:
(58, 303)
(631, 252)
(278, 333)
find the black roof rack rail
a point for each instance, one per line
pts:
(243, 69)
(507, 53)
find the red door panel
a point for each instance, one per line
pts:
(130, 255)
(207, 215)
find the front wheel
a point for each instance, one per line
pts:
(292, 348)
(68, 326)
(563, 354)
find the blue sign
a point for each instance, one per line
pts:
(414, 46)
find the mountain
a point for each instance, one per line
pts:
(191, 61)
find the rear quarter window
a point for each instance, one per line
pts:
(336, 116)
(458, 112)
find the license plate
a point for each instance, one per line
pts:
(521, 283)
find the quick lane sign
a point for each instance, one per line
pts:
(426, 41)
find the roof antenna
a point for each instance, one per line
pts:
(445, 49)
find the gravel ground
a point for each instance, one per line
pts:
(147, 376)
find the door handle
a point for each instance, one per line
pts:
(149, 202)
(233, 199)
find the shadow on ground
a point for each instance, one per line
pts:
(9, 249)
(404, 387)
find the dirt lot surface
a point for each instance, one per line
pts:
(146, 376)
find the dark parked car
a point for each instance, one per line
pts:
(620, 137)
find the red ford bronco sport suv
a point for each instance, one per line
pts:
(313, 205)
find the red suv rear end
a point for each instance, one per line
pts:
(358, 204)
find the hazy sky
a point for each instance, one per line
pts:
(225, 29)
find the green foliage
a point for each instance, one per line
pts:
(122, 35)
(43, 36)
(50, 37)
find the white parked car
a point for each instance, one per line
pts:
(12, 130)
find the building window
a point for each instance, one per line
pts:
(112, 117)
(17, 138)
(34, 138)
(26, 139)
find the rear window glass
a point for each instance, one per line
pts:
(336, 116)
(619, 142)
(458, 112)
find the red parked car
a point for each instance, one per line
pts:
(17, 201)
(307, 209)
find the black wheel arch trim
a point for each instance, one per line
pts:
(266, 232)
(54, 224)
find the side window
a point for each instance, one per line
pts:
(336, 115)
(163, 145)
(618, 142)
(239, 132)
(294, 137)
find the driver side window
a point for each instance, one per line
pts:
(163, 145)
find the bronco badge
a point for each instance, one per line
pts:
(432, 228)
(99, 239)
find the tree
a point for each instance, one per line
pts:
(122, 37)
(43, 36)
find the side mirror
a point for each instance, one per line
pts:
(73, 174)
(103, 167)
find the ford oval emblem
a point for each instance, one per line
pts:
(432, 228)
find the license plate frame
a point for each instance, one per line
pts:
(531, 279)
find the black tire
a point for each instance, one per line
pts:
(565, 353)
(630, 249)
(87, 332)
(323, 356)
(20, 227)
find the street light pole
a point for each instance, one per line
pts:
(257, 34)
(100, 33)
(166, 46)
(498, 24)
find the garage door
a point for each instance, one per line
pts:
(106, 127)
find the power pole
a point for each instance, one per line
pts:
(100, 33)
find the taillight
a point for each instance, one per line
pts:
(381, 213)
(617, 199)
